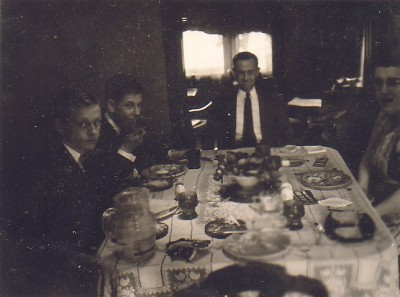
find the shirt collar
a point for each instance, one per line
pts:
(75, 154)
(252, 92)
(112, 123)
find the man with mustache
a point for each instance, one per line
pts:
(247, 113)
(379, 171)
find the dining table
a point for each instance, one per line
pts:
(366, 267)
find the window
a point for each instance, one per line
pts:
(259, 44)
(203, 54)
(211, 54)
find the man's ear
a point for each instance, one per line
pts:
(232, 74)
(110, 104)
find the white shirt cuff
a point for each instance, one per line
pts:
(129, 156)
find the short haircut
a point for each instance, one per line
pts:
(121, 85)
(389, 58)
(244, 56)
(69, 99)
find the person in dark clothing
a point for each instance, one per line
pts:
(123, 130)
(379, 172)
(75, 184)
(247, 113)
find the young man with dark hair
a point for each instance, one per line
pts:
(123, 128)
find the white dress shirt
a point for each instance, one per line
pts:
(75, 154)
(123, 153)
(255, 110)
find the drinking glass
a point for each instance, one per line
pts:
(187, 202)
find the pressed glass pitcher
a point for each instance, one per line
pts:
(131, 225)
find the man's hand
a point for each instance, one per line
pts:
(176, 155)
(133, 140)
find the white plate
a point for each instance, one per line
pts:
(255, 245)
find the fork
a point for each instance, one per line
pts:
(306, 196)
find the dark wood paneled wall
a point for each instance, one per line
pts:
(48, 43)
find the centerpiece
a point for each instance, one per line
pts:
(245, 176)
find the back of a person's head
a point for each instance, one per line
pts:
(244, 56)
(120, 85)
(268, 280)
(68, 99)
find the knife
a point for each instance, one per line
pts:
(164, 212)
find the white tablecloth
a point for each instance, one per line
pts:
(368, 268)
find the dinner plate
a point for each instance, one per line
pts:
(256, 246)
(325, 180)
(158, 184)
(164, 171)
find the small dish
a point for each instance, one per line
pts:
(247, 182)
(164, 171)
(221, 228)
(161, 230)
(349, 226)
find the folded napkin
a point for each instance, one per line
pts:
(334, 202)
(305, 102)
(315, 149)
(287, 149)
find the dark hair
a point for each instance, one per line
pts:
(387, 58)
(68, 99)
(122, 84)
(244, 56)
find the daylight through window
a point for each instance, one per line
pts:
(204, 54)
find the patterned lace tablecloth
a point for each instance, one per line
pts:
(369, 268)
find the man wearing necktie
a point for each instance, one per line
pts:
(248, 113)
(72, 189)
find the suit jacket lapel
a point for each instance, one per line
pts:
(231, 110)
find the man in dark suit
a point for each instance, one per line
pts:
(122, 129)
(246, 113)
(72, 193)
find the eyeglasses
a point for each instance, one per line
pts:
(390, 82)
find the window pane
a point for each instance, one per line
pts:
(203, 54)
(259, 44)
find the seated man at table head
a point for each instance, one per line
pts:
(379, 171)
(248, 113)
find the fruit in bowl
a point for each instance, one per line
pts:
(246, 182)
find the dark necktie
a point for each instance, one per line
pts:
(249, 139)
(81, 161)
